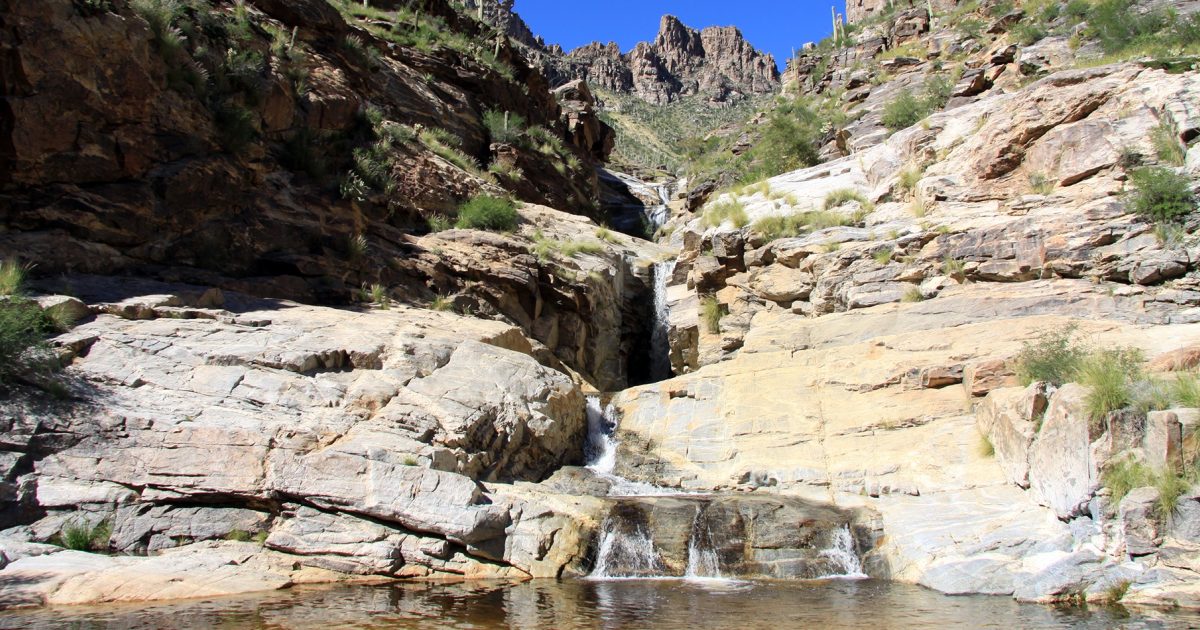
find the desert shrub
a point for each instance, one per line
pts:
(440, 223)
(1027, 33)
(1161, 194)
(441, 303)
(238, 535)
(12, 277)
(504, 127)
(23, 326)
(1040, 184)
(711, 312)
(842, 196)
(909, 177)
(1168, 148)
(938, 89)
(883, 256)
(777, 227)
(160, 16)
(986, 448)
(487, 212)
(905, 110)
(235, 126)
(81, 536)
(1185, 391)
(1054, 357)
(791, 138)
(1110, 376)
(1126, 475)
(912, 294)
(954, 268)
(730, 210)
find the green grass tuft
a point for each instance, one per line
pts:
(1110, 376)
(488, 212)
(711, 312)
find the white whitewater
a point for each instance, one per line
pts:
(657, 216)
(660, 342)
(626, 554)
(600, 450)
(601, 454)
(843, 554)
(703, 563)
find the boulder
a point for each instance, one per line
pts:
(1010, 419)
(1162, 445)
(1062, 473)
(1139, 522)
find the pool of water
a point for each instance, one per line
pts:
(689, 605)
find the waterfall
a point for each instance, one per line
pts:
(660, 341)
(703, 562)
(657, 216)
(626, 554)
(842, 553)
(601, 449)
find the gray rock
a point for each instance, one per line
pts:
(1062, 474)
(1139, 523)
(338, 542)
(1184, 522)
(1009, 417)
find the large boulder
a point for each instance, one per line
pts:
(1062, 473)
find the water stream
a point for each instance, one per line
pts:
(660, 342)
(588, 604)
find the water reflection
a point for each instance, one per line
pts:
(659, 604)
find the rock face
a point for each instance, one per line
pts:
(859, 10)
(716, 63)
(222, 184)
(738, 536)
(353, 440)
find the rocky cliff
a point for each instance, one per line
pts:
(716, 63)
(848, 342)
(886, 297)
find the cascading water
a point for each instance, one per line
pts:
(657, 216)
(660, 342)
(626, 552)
(843, 555)
(703, 562)
(600, 450)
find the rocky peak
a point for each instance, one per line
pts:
(717, 63)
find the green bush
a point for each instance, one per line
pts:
(23, 325)
(487, 212)
(1110, 376)
(730, 210)
(1126, 475)
(238, 535)
(791, 138)
(504, 127)
(903, 111)
(1054, 357)
(1027, 33)
(85, 537)
(1161, 194)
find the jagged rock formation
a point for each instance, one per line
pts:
(138, 170)
(351, 442)
(859, 10)
(716, 63)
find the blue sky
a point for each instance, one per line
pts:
(773, 26)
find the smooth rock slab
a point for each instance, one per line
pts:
(1062, 473)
